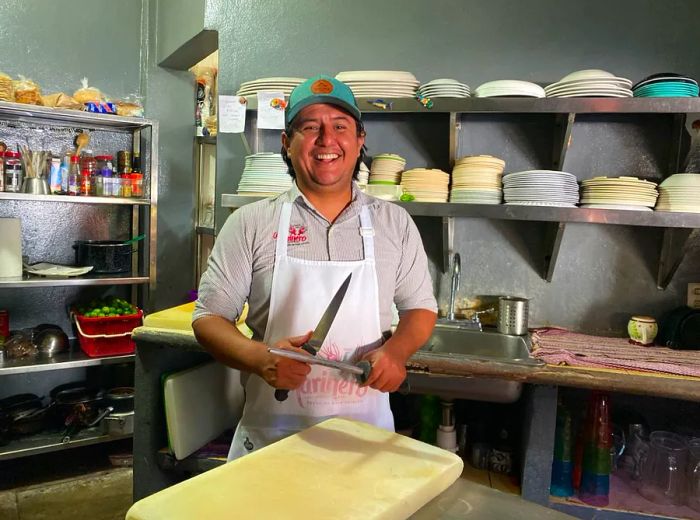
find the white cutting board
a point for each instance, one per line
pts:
(10, 248)
(200, 403)
(339, 469)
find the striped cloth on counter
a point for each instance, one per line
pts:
(561, 347)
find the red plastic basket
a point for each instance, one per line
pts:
(108, 336)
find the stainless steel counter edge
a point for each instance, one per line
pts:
(444, 365)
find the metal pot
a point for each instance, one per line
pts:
(105, 256)
(50, 340)
(121, 399)
(120, 423)
(80, 408)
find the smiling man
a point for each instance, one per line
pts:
(286, 256)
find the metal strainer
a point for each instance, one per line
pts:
(512, 315)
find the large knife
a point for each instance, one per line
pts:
(321, 331)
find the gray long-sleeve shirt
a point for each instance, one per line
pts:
(241, 264)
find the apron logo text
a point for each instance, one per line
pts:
(297, 234)
(330, 388)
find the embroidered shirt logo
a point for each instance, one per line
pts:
(297, 234)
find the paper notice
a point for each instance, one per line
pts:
(271, 107)
(231, 114)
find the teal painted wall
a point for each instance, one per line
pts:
(57, 43)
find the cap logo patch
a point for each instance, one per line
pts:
(322, 86)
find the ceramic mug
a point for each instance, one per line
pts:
(642, 330)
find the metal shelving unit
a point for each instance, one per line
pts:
(48, 442)
(142, 135)
(678, 228)
(74, 358)
(528, 105)
(30, 280)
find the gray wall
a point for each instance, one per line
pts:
(604, 273)
(59, 43)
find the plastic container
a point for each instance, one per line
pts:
(88, 166)
(108, 336)
(74, 176)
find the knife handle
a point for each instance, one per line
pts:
(366, 369)
(281, 394)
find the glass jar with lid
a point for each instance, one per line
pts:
(13, 172)
(104, 174)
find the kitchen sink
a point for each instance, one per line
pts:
(456, 340)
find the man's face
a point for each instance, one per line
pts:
(324, 147)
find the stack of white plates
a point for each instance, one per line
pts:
(386, 169)
(618, 193)
(509, 88)
(264, 174)
(540, 188)
(444, 88)
(286, 85)
(363, 174)
(476, 179)
(426, 185)
(380, 83)
(590, 83)
(680, 192)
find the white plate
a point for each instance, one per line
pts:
(587, 74)
(616, 206)
(381, 75)
(617, 82)
(541, 203)
(48, 269)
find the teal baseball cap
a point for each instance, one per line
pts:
(321, 89)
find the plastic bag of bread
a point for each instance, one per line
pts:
(7, 88)
(130, 106)
(27, 92)
(88, 94)
(60, 100)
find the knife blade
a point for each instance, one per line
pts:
(324, 324)
(321, 330)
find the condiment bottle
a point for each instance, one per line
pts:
(74, 180)
(13, 172)
(88, 165)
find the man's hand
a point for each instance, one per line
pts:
(285, 373)
(388, 369)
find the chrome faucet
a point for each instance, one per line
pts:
(454, 287)
(474, 322)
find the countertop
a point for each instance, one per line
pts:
(627, 381)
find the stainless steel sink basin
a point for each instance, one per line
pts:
(451, 339)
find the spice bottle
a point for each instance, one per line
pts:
(74, 180)
(13, 172)
(88, 165)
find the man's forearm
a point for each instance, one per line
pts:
(222, 339)
(412, 332)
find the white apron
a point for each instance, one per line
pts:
(301, 291)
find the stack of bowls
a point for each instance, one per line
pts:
(386, 169)
(666, 84)
(509, 88)
(680, 192)
(590, 83)
(476, 179)
(444, 88)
